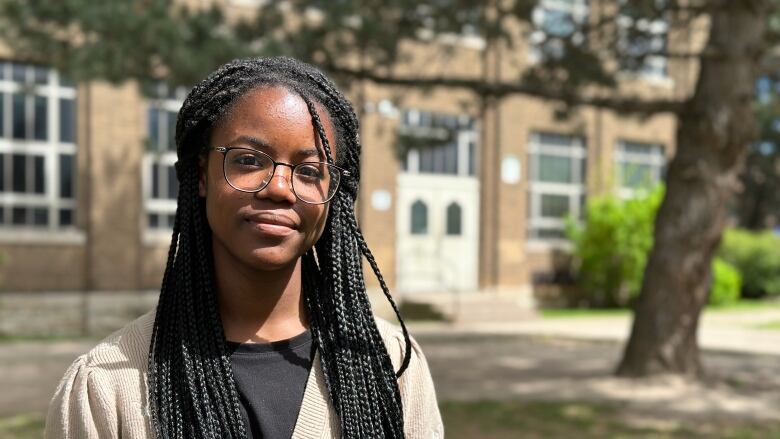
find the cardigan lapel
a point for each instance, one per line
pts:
(316, 416)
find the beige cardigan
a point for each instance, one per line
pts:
(104, 392)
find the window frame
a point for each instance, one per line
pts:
(655, 68)
(656, 159)
(423, 220)
(453, 207)
(576, 191)
(417, 122)
(159, 155)
(578, 10)
(51, 149)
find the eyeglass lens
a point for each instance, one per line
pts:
(248, 170)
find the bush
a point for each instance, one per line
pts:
(757, 257)
(726, 283)
(611, 247)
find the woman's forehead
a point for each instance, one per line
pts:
(273, 116)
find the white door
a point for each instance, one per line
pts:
(437, 225)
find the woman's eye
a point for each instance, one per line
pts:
(310, 172)
(248, 160)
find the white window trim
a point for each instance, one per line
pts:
(24, 235)
(463, 138)
(160, 156)
(159, 206)
(548, 245)
(574, 191)
(657, 161)
(50, 149)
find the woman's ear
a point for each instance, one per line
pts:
(202, 174)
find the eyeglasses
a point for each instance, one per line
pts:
(249, 170)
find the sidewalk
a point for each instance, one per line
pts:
(541, 359)
(727, 331)
(574, 358)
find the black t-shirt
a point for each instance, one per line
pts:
(271, 378)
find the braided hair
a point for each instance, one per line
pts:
(191, 386)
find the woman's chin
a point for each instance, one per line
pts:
(265, 260)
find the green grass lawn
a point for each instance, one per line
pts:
(551, 420)
(518, 420)
(21, 427)
(742, 305)
(772, 326)
(748, 305)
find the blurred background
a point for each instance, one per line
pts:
(575, 201)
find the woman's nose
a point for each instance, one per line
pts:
(279, 187)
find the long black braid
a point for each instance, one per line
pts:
(191, 385)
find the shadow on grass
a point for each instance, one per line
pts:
(534, 420)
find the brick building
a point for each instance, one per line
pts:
(87, 187)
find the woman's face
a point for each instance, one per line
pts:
(270, 229)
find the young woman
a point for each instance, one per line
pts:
(263, 327)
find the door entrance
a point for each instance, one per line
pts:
(437, 221)
(437, 217)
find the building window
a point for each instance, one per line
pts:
(642, 40)
(560, 18)
(638, 165)
(555, 21)
(437, 143)
(37, 148)
(161, 187)
(419, 220)
(454, 219)
(557, 187)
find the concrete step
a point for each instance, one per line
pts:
(472, 307)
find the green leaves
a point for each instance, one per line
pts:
(611, 247)
(577, 54)
(757, 257)
(117, 40)
(726, 285)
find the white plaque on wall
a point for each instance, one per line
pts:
(510, 169)
(381, 200)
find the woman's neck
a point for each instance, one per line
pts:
(259, 306)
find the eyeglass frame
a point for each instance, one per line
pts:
(225, 149)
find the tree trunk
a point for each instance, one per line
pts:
(715, 130)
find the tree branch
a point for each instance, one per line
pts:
(623, 104)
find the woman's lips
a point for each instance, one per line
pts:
(273, 229)
(272, 224)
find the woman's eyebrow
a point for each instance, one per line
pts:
(309, 152)
(253, 141)
(260, 144)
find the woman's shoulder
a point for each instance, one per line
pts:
(395, 343)
(393, 337)
(101, 394)
(387, 329)
(128, 345)
(421, 410)
(116, 366)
